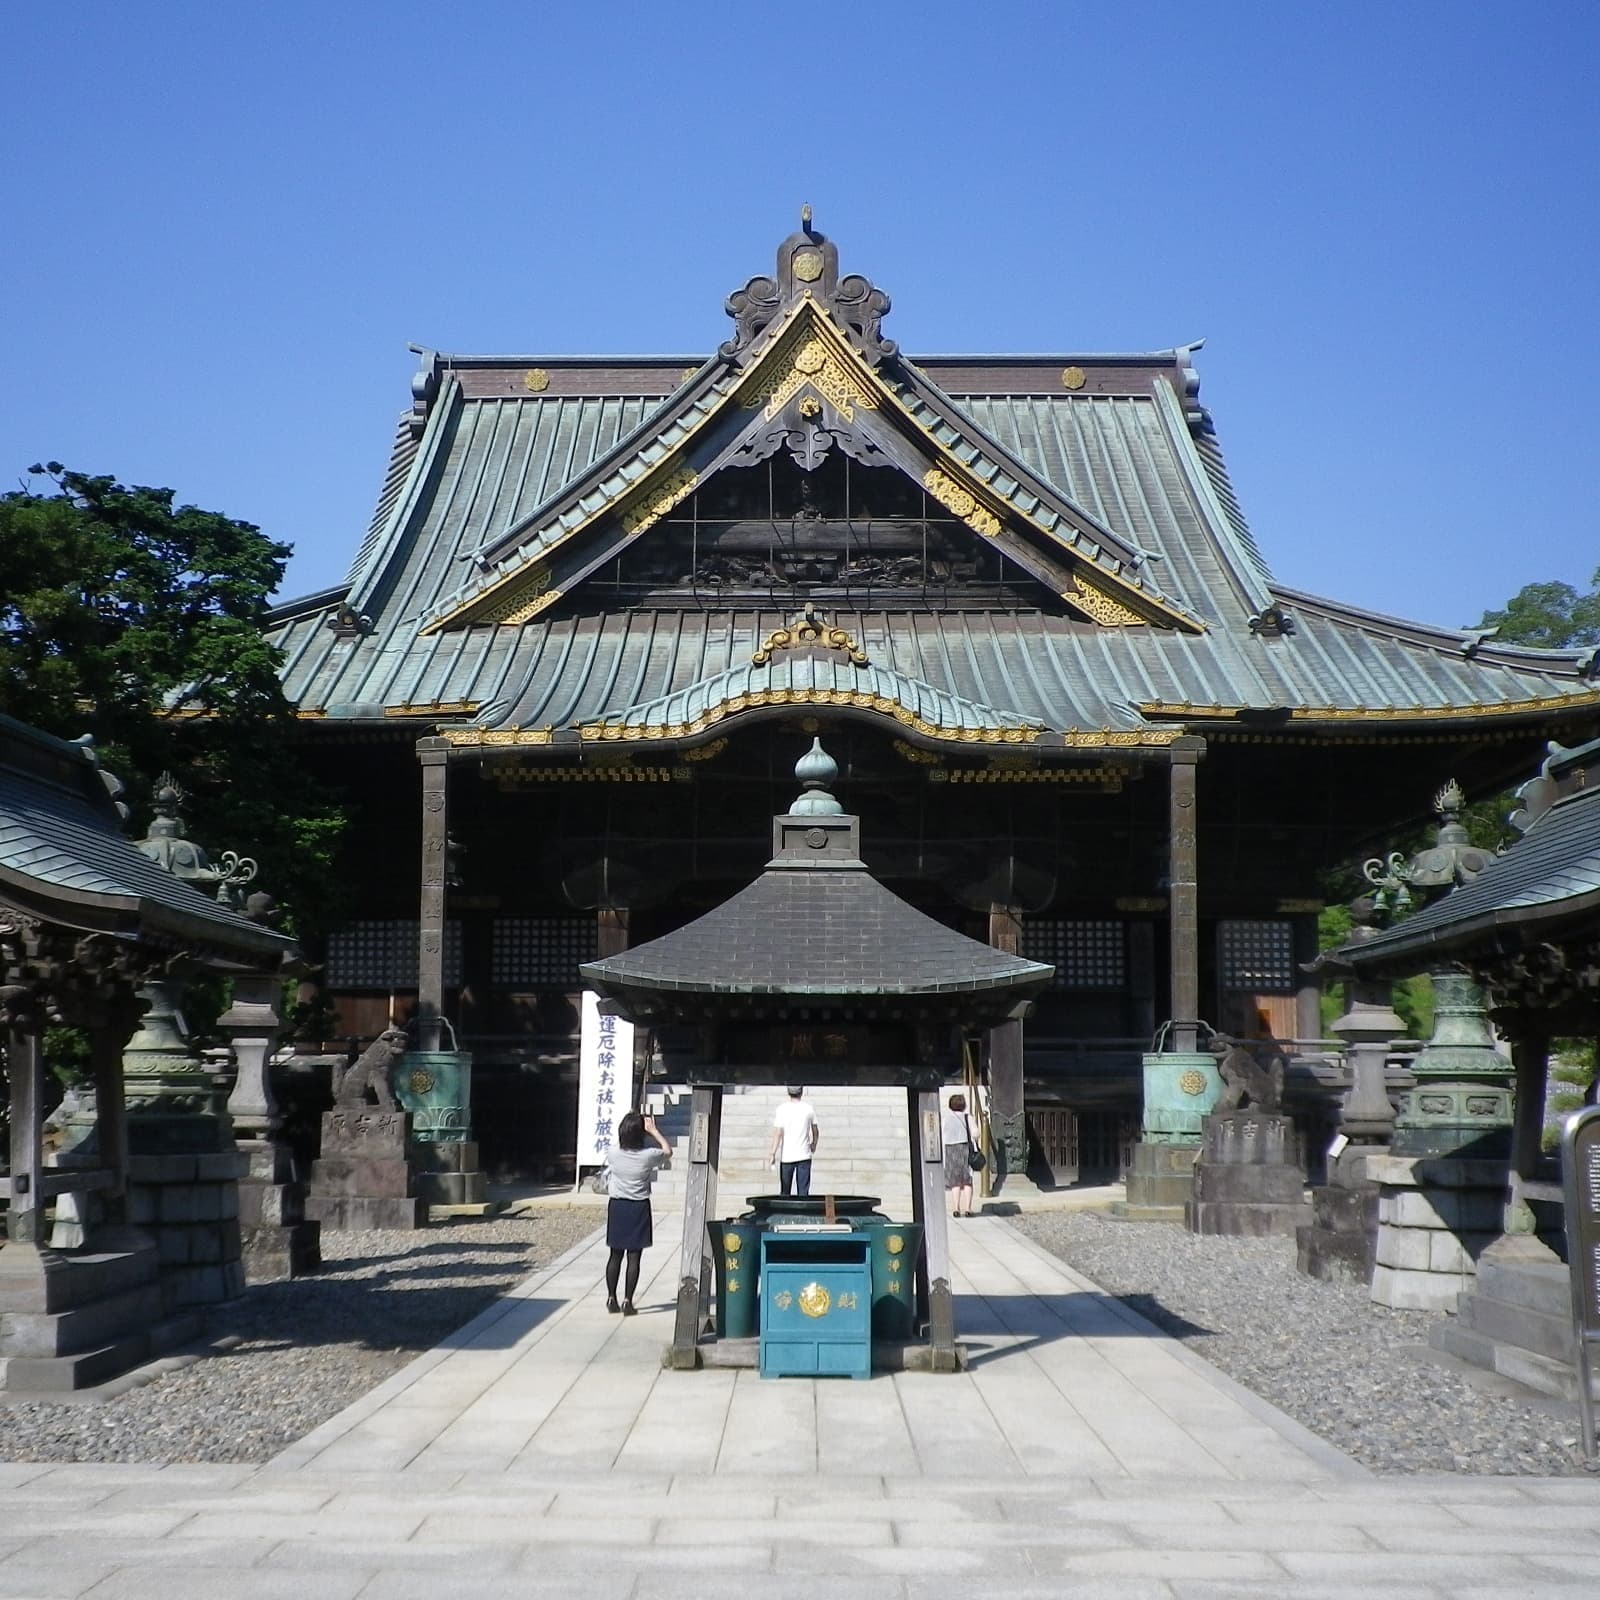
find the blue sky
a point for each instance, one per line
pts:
(227, 222)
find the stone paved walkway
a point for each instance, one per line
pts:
(543, 1451)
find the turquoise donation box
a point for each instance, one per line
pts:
(816, 1304)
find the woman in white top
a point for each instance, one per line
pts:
(958, 1146)
(629, 1231)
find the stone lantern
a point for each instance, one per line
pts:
(1441, 1186)
(1461, 1105)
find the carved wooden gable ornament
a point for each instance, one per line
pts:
(809, 373)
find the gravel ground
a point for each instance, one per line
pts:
(294, 1354)
(1352, 1372)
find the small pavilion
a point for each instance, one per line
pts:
(817, 973)
(86, 921)
(1527, 930)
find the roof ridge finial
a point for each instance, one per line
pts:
(805, 217)
(816, 769)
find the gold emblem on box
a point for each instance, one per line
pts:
(734, 1243)
(1193, 1082)
(894, 1244)
(815, 1300)
(421, 1080)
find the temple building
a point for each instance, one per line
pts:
(604, 601)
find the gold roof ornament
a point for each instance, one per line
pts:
(809, 627)
(535, 380)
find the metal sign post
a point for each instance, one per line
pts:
(1580, 1176)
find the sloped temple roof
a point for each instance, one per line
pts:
(474, 599)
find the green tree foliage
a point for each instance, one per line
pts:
(1552, 616)
(139, 621)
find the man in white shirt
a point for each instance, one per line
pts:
(794, 1137)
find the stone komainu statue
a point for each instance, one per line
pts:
(1245, 1080)
(372, 1070)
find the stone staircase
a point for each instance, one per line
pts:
(861, 1148)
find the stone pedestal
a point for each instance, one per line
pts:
(363, 1179)
(1435, 1218)
(71, 1319)
(189, 1205)
(1341, 1240)
(1517, 1319)
(1160, 1182)
(1246, 1179)
(278, 1240)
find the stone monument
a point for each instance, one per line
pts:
(1247, 1179)
(364, 1179)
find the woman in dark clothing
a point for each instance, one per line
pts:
(628, 1231)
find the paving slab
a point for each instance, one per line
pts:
(543, 1449)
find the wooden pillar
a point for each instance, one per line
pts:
(26, 1214)
(111, 1115)
(434, 755)
(1308, 992)
(1530, 1053)
(1008, 1120)
(699, 1204)
(1184, 891)
(927, 1205)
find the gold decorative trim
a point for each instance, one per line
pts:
(497, 738)
(1111, 778)
(953, 496)
(1295, 906)
(816, 363)
(1118, 738)
(917, 757)
(433, 708)
(808, 627)
(529, 777)
(757, 698)
(660, 501)
(536, 380)
(1499, 708)
(523, 599)
(1073, 378)
(706, 752)
(1140, 904)
(1100, 606)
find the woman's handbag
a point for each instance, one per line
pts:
(976, 1159)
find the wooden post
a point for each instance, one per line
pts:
(26, 1211)
(1530, 1053)
(434, 755)
(1184, 890)
(699, 1204)
(927, 1189)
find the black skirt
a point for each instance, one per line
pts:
(628, 1225)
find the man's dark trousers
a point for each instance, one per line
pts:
(797, 1174)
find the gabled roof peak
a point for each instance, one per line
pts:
(808, 267)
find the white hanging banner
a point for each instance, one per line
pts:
(605, 1080)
